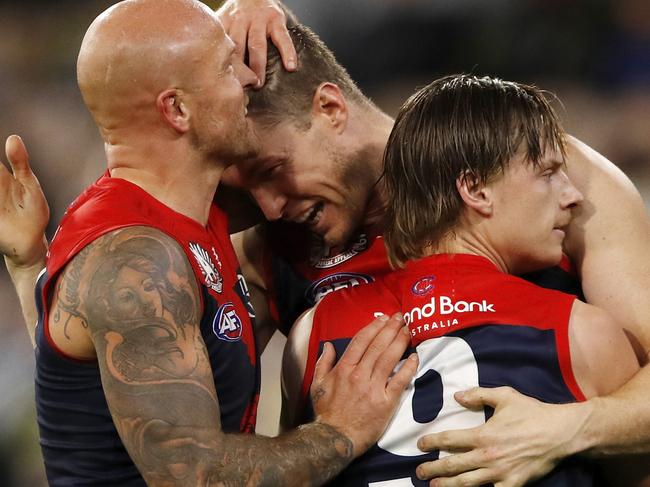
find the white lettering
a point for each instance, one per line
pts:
(434, 325)
(488, 307)
(446, 306)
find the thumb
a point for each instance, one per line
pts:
(18, 158)
(325, 363)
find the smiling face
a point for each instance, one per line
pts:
(308, 177)
(531, 206)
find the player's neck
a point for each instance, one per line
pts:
(375, 209)
(377, 126)
(461, 241)
(175, 176)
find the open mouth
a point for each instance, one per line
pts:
(315, 213)
(312, 215)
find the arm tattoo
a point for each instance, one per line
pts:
(136, 291)
(69, 302)
(318, 393)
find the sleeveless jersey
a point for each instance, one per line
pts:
(296, 280)
(80, 443)
(471, 325)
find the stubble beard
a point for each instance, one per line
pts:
(356, 176)
(236, 145)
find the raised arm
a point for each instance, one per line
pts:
(608, 241)
(23, 217)
(134, 292)
(249, 23)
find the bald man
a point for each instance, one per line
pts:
(146, 360)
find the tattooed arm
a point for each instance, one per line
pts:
(132, 297)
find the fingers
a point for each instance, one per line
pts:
(477, 397)
(238, 32)
(282, 40)
(18, 157)
(325, 363)
(250, 27)
(360, 342)
(403, 376)
(453, 465)
(385, 350)
(452, 440)
(257, 50)
(475, 478)
(388, 352)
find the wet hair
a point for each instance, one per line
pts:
(288, 95)
(459, 126)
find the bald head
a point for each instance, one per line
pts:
(137, 48)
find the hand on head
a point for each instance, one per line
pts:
(249, 23)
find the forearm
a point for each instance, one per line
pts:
(24, 279)
(618, 423)
(310, 455)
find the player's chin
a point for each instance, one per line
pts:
(248, 148)
(541, 258)
(553, 256)
(338, 236)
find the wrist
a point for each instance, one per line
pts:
(582, 436)
(34, 261)
(344, 445)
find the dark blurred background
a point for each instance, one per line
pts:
(593, 54)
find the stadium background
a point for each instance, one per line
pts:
(594, 54)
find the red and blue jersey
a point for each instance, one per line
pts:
(471, 325)
(297, 275)
(79, 441)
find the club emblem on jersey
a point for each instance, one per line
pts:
(423, 286)
(359, 245)
(210, 273)
(334, 282)
(226, 324)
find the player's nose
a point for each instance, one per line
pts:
(272, 203)
(571, 196)
(244, 74)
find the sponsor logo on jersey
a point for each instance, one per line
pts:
(334, 282)
(226, 324)
(423, 286)
(211, 275)
(360, 245)
(444, 305)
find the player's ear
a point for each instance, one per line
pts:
(173, 110)
(329, 102)
(475, 194)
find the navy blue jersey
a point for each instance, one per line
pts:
(471, 325)
(80, 443)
